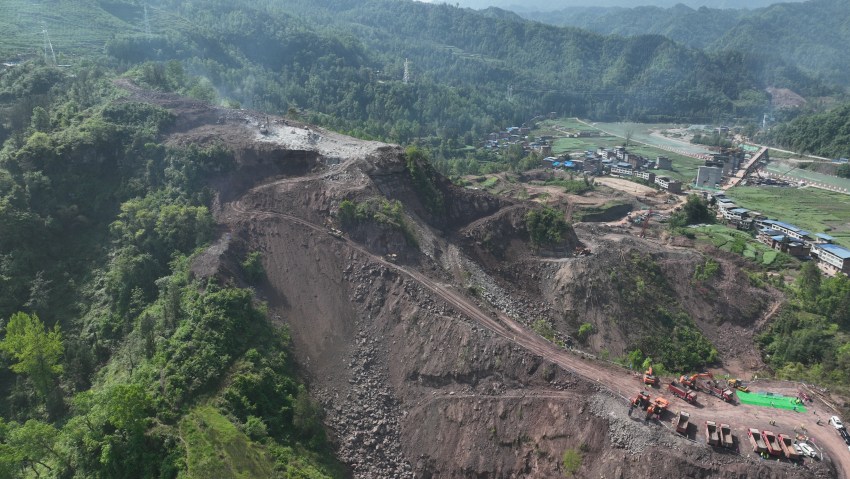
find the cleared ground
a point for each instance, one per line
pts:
(642, 141)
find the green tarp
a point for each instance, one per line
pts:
(771, 400)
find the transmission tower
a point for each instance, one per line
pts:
(406, 71)
(147, 22)
(510, 92)
(49, 54)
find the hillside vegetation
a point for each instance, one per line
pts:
(115, 362)
(808, 35)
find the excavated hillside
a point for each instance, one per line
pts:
(413, 332)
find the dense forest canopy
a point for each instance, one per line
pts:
(808, 35)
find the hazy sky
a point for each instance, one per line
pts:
(544, 5)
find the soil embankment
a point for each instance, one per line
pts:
(421, 351)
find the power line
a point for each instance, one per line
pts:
(48, 46)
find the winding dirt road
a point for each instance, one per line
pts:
(609, 376)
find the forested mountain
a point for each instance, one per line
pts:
(343, 62)
(824, 134)
(809, 35)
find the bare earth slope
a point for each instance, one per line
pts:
(424, 364)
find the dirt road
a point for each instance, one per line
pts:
(606, 375)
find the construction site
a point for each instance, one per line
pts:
(420, 338)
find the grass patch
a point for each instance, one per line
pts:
(809, 208)
(571, 461)
(217, 448)
(741, 243)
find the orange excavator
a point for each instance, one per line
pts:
(641, 401)
(691, 381)
(649, 377)
(657, 407)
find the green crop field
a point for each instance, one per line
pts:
(742, 243)
(813, 209)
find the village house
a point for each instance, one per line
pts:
(666, 183)
(831, 258)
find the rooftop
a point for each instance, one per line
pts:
(824, 236)
(785, 225)
(836, 250)
(739, 211)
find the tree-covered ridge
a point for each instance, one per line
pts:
(343, 63)
(809, 35)
(825, 134)
(111, 354)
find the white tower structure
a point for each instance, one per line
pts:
(406, 71)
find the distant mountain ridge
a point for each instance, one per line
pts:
(811, 35)
(552, 5)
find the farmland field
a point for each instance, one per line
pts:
(812, 209)
(742, 243)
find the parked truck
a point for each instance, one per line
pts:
(681, 392)
(787, 445)
(772, 443)
(681, 422)
(725, 394)
(712, 437)
(726, 438)
(756, 440)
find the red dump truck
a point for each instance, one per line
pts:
(772, 443)
(681, 422)
(787, 445)
(725, 394)
(712, 436)
(726, 438)
(756, 440)
(681, 392)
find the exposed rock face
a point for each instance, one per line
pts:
(411, 385)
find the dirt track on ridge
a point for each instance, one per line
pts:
(605, 375)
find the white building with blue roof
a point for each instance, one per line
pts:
(832, 259)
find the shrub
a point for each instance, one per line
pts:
(571, 461)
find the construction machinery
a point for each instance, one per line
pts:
(690, 381)
(738, 384)
(645, 224)
(709, 386)
(657, 407)
(712, 435)
(649, 377)
(641, 401)
(756, 440)
(682, 392)
(772, 443)
(726, 438)
(787, 445)
(681, 422)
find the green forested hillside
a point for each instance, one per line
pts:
(808, 35)
(115, 363)
(824, 134)
(343, 62)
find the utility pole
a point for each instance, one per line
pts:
(48, 47)
(406, 71)
(147, 22)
